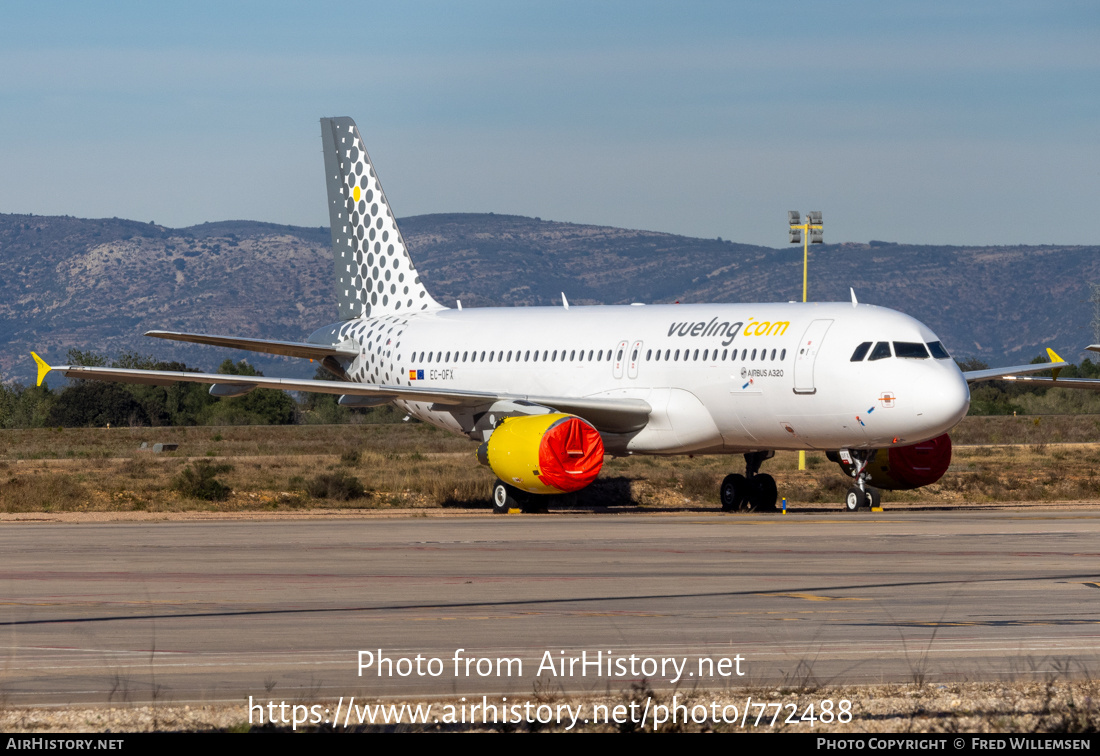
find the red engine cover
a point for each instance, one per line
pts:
(570, 455)
(917, 465)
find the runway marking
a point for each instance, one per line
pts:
(813, 596)
(992, 623)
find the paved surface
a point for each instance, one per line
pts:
(187, 611)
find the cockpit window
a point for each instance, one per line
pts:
(913, 350)
(881, 351)
(861, 351)
(937, 350)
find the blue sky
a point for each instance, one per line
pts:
(930, 122)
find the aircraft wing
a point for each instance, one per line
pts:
(611, 415)
(287, 348)
(1009, 373)
(1092, 384)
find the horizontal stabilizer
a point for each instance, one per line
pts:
(287, 348)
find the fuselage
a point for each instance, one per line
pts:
(721, 378)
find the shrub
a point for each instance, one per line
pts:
(198, 482)
(338, 486)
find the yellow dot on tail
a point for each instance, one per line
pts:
(356, 194)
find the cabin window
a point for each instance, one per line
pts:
(677, 355)
(724, 353)
(696, 357)
(545, 354)
(599, 357)
(619, 356)
(482, 357)
(911, 350)
(490, 356)
(753, 354)
(448, 357)
(572, 354)
(509, 355)
(589, 355)
(773, 355)
(783, 355)
(527, 355)
(429, 356)
(706, 352)
(634, 356)
(881, 351)
(938, 351)
(861, 351)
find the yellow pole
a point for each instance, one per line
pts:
(805, 257)
(805, 267)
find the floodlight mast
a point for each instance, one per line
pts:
(808, 233)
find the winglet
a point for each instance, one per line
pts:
(1054, 358)
(43, 368)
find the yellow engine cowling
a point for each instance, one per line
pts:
(544, 454)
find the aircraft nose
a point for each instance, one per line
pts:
(946, 400)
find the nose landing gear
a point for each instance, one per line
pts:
(751, 492)
(860, 495)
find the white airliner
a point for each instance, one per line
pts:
(548, 391)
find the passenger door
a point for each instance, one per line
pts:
(635, 358)
(806, 355)
(619, 358)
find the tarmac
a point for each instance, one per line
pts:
(318, 608)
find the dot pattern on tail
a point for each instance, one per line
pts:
(374, 274)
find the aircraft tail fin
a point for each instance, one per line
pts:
(374, 274)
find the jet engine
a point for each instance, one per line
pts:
(899, 468)
(544, 454)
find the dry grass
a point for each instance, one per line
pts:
(415, 465)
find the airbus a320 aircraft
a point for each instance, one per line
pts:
(547, 392)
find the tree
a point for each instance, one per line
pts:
(259, 407)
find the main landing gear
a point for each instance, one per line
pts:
(860, 495)
(751, 492)
(506, 497)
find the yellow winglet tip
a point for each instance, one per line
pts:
(43, 368)
(1054, 358)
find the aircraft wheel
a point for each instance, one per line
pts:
(874, 498)
(762, 493)
(855, 500)
(504, 498)
(733, 492)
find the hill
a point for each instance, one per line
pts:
(98, 284)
